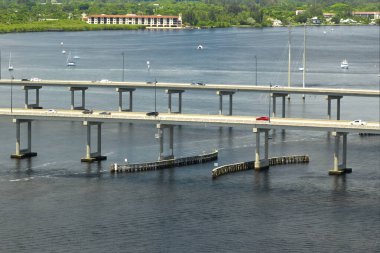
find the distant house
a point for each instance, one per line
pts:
(316, 21)
(367, 14)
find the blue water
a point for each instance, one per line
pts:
(54, 203)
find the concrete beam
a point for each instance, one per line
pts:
(27, 152)
(121, 90)
(173, 91)
(36, 105)
(160, 135)
(222, 93)
(73, 89)
(340, 168)
(261, 163)
(93, 156)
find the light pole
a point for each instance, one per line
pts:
(122, 79)
(155, 89)
(256, 69)
(270, 88)
(12, 94)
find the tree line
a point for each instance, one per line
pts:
(208, 13)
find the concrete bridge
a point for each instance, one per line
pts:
(222, 90)
(166, 121)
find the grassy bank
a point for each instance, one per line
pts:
(60, 25)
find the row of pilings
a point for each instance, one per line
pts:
(164, 164)
(236, 167)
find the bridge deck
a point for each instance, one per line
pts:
(195, 119)
(188, 86)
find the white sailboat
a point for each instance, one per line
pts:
(69, 61)
(10, 67)
(304, 60)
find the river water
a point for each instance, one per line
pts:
(55, 203)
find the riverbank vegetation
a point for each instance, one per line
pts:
(66, 15)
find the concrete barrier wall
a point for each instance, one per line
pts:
(236, 167)
(177, 162)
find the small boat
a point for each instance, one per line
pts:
(200, 47)
(344, 64)
(63, 51)
(69, 61)
(76, 57)
(10, 67)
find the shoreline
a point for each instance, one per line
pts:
(75, 27)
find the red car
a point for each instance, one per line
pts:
(263, 118)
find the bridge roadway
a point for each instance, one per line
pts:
(339, 129)
(195, 119)
(188, 86)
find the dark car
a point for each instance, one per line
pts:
(87, 111)
(266, 118)
(151, 113)
(25, 79)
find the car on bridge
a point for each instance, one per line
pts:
(152, 114)
(87, 111)
(266, 118)
(358, 122)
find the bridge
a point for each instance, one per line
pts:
(166, 121)
(222, 90)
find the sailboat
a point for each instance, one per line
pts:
(10, 67)
(69, 61)
(304, 60)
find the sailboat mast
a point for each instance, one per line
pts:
(304, 59)
(290, 58)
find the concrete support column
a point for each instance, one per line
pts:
(27, 152)
(261, 163)
(222, 93)
(329, 98)
(73, 89)
(121, 90)
(95, 156)
(170, 92)
(160, 135)
(283, 96)
(36, 105)
(340, 168)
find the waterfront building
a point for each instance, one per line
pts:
(133, 19)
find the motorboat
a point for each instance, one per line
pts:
(344, 64)
(69, 61)
(200, 47)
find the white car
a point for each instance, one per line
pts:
(35, 79)
(358, 122)
(51, 111)
(104, 81)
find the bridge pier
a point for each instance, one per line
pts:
(83, 106)
(170, 92)
(340, 169)
(95, 156)
(27, 152)
(160, 136)
(261, 164)
(329, 98)
(37, 104)
(121, 90)
(222, 93)
(274, 111)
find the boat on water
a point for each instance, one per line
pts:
(200, 47)
(344, 64)
(69, 61)
(10, 66)
(76, 57)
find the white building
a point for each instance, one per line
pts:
(133, 19)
